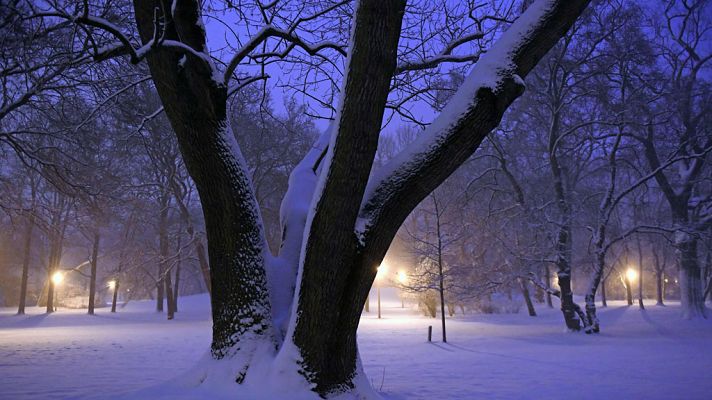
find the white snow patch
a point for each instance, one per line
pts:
(651, 354)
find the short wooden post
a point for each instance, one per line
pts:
(430, 333)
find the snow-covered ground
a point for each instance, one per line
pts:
(640, 354)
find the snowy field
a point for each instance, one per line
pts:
(640, 355)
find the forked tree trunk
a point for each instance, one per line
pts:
(341, 254)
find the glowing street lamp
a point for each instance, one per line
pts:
(630, 275)
(57, 278)
(111, 285)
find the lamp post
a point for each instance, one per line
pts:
(57, 278)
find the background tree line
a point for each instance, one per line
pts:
(603, 164)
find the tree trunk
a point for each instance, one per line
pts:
(568, 307)
(548, 286)
(628, 291)
(563, 239)
(659, 289)
(26, 264)
(195, 104)
(604, 303)
(159, 289)
(170, 313)
(640, 275)
(442, 297)
(55, 255)
(596, 279)
(92, 277)
(691, 295)
(441, 273)
(175, 287)
(527, 298)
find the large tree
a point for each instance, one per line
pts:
(301, 306)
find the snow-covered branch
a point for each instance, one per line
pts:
(494, 82)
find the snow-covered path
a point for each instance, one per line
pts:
(646, 355)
